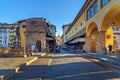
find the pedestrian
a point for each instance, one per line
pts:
(110, 49)
(104, 50)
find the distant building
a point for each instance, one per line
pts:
(116, 32)
(6, 36)
(52, 29)
(28, 34)
(51, 34)
(36, 32)
(17, 37)
(65, 28)
(58, 40)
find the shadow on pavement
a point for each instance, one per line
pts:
(68, 71)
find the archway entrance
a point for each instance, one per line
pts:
(92, 35)
(109, 37)
(38, 45)
(111, 25)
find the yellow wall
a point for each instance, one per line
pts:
(109, 37)
(77, 26)
(104, 18)
(98, 18)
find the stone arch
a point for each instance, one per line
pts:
(92, 37)
(90, 28)
(112, 18)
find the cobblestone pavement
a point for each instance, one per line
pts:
(65, 67)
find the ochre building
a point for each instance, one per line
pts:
(93, 27)
(35, 35)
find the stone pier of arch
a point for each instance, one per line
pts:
(100, 42)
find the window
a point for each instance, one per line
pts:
(0, 37)
(108, 36)
(88, 14)
(92, 10)
(96, 6)
(75, 28)
(0, 41)
(81, 24)
(33, 22)
(114, 37)
(104, 2)
(23, 26)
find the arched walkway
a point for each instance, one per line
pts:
(92, 38)
(111, 20)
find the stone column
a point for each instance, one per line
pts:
(87, 43)
(101, 41)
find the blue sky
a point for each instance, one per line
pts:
(57, 12)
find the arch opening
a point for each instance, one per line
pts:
(92, 33)
(111, 25)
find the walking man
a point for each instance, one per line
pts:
(110, 49)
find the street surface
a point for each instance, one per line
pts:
(64, 66)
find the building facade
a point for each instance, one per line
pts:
(6, 36)
(58, 40)
(33, 33)
(93, 23)
(65, 28)
(64, 36)
(51, 34)
(36, 35)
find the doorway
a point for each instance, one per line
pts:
(38, 45)
(93, 47)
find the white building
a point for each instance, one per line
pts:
(6, 36)
(116, 37)
(65, 28)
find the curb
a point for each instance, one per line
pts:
(43, 54)
(106, 64)
(17, 69)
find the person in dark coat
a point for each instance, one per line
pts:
(110, 49)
